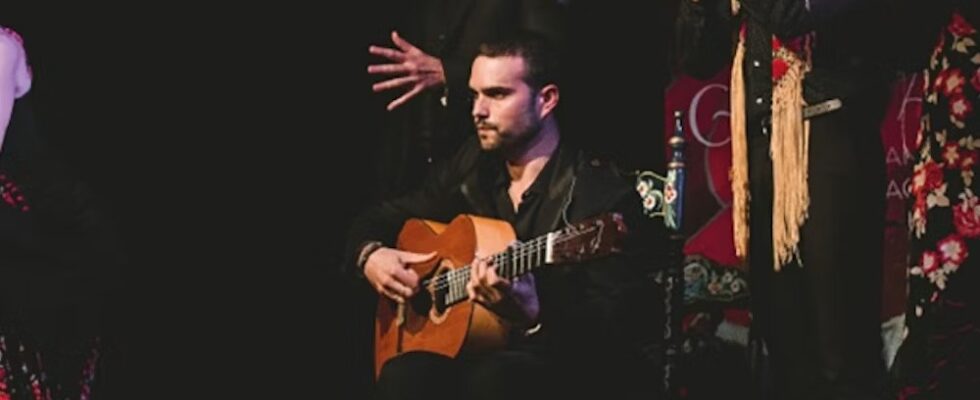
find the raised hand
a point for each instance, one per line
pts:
(410, 67)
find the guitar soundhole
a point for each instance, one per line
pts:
(439, 292)
(420, 303)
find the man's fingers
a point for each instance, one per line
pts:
(393, 83)
(483, 282)
(471, 290)
(487, 296)
(476, 293)
(394, 296)
(405, 97)
(391, 54)
(390, 294)
(407, 277)
(490, 277)
(402, 43)
(396, 287)
(478, 269)
(388, 69)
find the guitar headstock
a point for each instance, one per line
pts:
(592, 238)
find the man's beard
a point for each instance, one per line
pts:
(507, 142)
(489, 135)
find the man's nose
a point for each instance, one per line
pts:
(479, 108)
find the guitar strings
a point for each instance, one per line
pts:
(461, 275)
(518, 251)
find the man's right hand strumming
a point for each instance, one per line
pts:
(387, 270)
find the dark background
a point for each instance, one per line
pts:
(232, 146)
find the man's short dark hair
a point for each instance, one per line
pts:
(540, 55)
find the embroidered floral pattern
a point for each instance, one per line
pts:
(715, 324)
(658, 196)
(706, 281)
(942, 180)
(944, 220)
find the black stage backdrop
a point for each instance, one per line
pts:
(232, 147)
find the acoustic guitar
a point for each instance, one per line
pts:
(440, 318)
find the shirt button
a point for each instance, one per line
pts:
(758, 100)
(756, 63)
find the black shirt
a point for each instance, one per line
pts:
(531, 200)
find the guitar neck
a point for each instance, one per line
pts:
(517, 260)
(574, 243)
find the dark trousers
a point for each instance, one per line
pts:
(820, 321)
(503, 375)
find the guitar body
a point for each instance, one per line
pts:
(422, 325)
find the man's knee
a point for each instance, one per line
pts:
(507, 375)
(416, 375)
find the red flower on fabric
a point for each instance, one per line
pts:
(927, 176)
(795, 44)
(952, 249)
(966, 217)
(968, 158)
(779, 68)
(959, 27)
(782, 54)
(951, 155)
(930, 262)
(959, 107)
(950, 82)
(920, 203)
(776, 44)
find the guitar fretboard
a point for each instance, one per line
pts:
(518, 259)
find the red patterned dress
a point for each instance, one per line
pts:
(940, 358)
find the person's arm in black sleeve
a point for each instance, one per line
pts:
(434, 200)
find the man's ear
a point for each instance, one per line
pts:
(547, 100)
